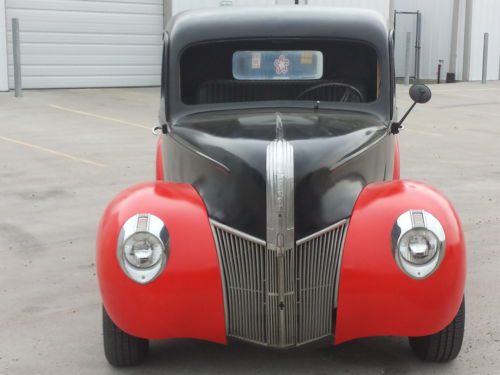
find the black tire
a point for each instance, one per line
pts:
(444, 345)
(120, 348)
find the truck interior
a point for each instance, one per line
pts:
(266, 70)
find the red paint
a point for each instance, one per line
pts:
(375, 297)
(397, 163)
(186, 300)
(159, 161)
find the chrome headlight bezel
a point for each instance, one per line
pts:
(138, 225)
(422, 223)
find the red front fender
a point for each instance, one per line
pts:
(186, 300)
(375, 297)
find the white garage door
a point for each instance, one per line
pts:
(87, 43)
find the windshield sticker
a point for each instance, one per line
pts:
(306, 58)
(256, 60)
(281, 65)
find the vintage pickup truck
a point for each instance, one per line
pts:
(278, 215)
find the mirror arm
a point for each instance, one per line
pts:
(395, 126)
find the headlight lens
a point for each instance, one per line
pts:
(418, 246)
(418, 243)
(143, 247)
(143, 250)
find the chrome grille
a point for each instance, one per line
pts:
(243, 268)
(251, 281)
(281, 307)
(318, 265)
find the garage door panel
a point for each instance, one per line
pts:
(96, 70)
(84, 60)
(85, 38)
(87, 17)
(89, 6)
(89, 81)
(89, 28)
(86, 49)
(91, 43)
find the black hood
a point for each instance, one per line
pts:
(223, 154)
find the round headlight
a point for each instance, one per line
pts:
(418, 246)
(143, 250)
(418, 243)
(143, 246)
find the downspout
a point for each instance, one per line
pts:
(450, 76)
(469, 8)
(167, 12)
(392, 9)
(4, 71)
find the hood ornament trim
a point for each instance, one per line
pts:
(280, 238)
(280, 134)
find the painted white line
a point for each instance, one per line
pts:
(118, 121)
(53, 152)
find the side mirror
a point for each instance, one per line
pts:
(419, 94)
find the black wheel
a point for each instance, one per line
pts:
(444, 345)
(120, 348)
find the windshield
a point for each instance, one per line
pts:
(249, 71)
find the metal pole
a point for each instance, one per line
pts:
(417, 47)
(167, 12)
(469, 7)
(485, 57)
(450, 76)
(391, 13)
(16, 49)
(407, 58)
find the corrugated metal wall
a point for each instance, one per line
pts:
(180, 5)
(485, 19)
(382, 6)
(436, 35)
(87, 43)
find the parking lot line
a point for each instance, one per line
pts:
(118, 121)
(53, 152)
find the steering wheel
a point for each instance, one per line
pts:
(347, 94)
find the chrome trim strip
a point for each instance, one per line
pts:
(339, 265)
(193, 149)
(280, 238)
(213, 226)
(313, 340)
(238, 233)
(322, 231)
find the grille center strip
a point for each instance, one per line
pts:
(280, 267)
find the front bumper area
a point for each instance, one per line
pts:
(214, 289)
